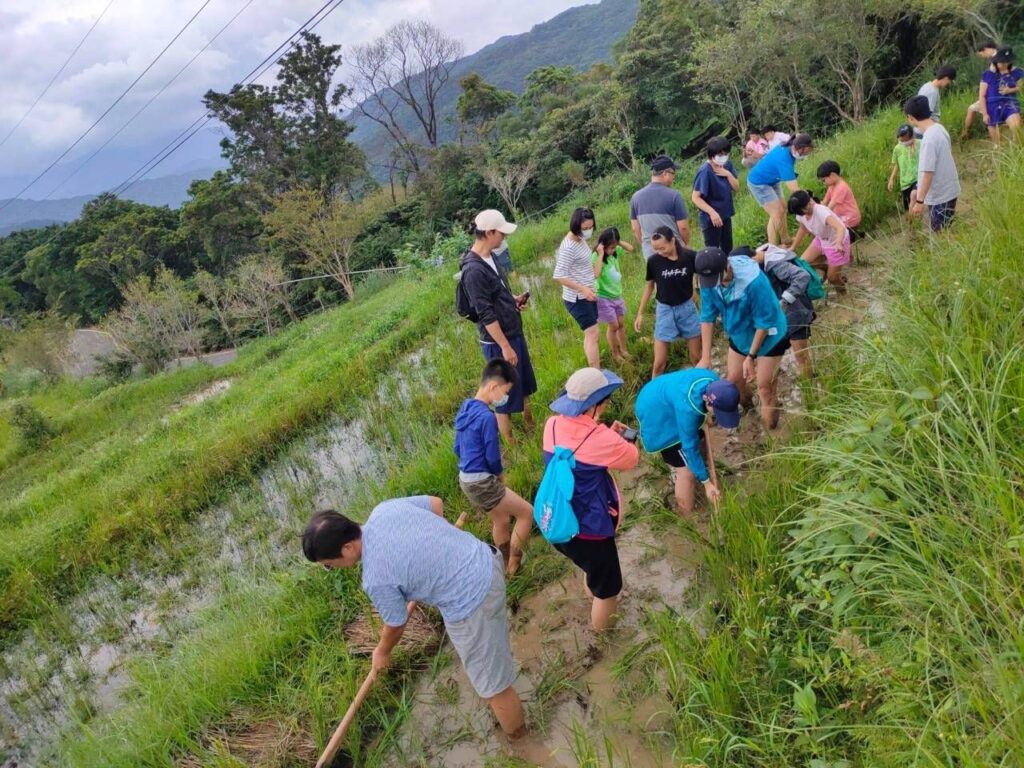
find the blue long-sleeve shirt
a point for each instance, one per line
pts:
(476, 438)
(671, 411)
(747, 305)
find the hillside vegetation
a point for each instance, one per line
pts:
(864, 607)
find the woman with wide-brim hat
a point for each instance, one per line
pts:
(596, 501)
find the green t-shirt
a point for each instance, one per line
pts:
(906, 159)
(609, 283)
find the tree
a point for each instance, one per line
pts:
(324, 232)
(290, 134)
(224, 216)
(481, 103)
(509, 179)
(403, 73)
(257, 293)
(159, 320)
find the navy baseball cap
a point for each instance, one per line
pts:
(725, 402)
(709, 264)
(663, 163)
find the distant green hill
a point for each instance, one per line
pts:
(578, 37)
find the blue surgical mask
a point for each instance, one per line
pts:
(501, 403)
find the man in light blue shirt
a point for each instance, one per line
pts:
(410, 553)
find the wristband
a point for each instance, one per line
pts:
(752, 355)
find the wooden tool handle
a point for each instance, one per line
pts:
(711, 462)
(339, 734)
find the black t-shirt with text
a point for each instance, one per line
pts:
(673, 280)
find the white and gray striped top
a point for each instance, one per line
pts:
(572, 260)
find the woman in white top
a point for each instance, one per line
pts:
(830, 249)
(575, 271)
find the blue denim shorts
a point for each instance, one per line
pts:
(583, 312)
(765, 193)
(676, 322)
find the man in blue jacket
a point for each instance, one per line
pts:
(735, 289)
(671, 410)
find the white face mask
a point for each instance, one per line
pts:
(908, 143)
(720, 159)
(587, 234)
(798, 157)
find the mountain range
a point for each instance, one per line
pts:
(579, 37)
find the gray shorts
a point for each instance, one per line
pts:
(484, 494)
(482, 642)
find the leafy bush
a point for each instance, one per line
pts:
(115, 367)
(35, 430)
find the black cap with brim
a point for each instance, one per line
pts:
(663, 163)
(709, 265)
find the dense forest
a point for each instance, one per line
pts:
(299, 199)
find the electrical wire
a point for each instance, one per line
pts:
(184, 136)
(54, 78)
(153, 98)
(108, 110)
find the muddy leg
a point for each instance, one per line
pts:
(685, 490)
(508, 709)
(602, 612)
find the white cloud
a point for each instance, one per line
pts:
(39, 34)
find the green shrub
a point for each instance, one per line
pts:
(35, 430)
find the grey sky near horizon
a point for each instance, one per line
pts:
(39, 34)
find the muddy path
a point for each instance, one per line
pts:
(592, 700)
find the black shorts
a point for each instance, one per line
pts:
(906, 193)
(599, 560)
(583, 312)
(799, 332)
(777, 351)
(675, 457)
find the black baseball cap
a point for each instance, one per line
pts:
(663, 163)
(1003, 56)
(709, 264)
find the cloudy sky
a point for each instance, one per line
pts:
(39, 34)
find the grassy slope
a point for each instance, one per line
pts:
(274, 648)
(871, 590)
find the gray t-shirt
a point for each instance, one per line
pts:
(654, 206)
(934, 95)
(936, 155)
(409, 553)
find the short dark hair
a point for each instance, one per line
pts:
(986, 44)
(801, 141)
(716, 145)
(768, 128)
(918, 108)
(798, 202)
(499, 369)
(578, 217)
(828, 168)
(326, 533)
(946, 70)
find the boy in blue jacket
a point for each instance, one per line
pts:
(671, 410)
(481, 475)
(735, 289)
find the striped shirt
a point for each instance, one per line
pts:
(409, 553)
(572, 260)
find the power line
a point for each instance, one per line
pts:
(153, 98)
(108, 109)
(54, 78)
(184, 136)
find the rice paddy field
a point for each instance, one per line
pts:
(861, 608)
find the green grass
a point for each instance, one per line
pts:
(870, 590)
(926, 642)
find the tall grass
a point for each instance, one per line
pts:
(870, 590)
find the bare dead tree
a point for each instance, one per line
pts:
(405, 69)
(509, 179)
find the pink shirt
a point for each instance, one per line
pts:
(756, 148)
(843, 204)
(817, 224)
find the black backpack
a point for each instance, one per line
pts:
(462, 303)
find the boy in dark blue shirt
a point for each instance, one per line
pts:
(481, 475)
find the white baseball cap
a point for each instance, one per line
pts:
(491, 219)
